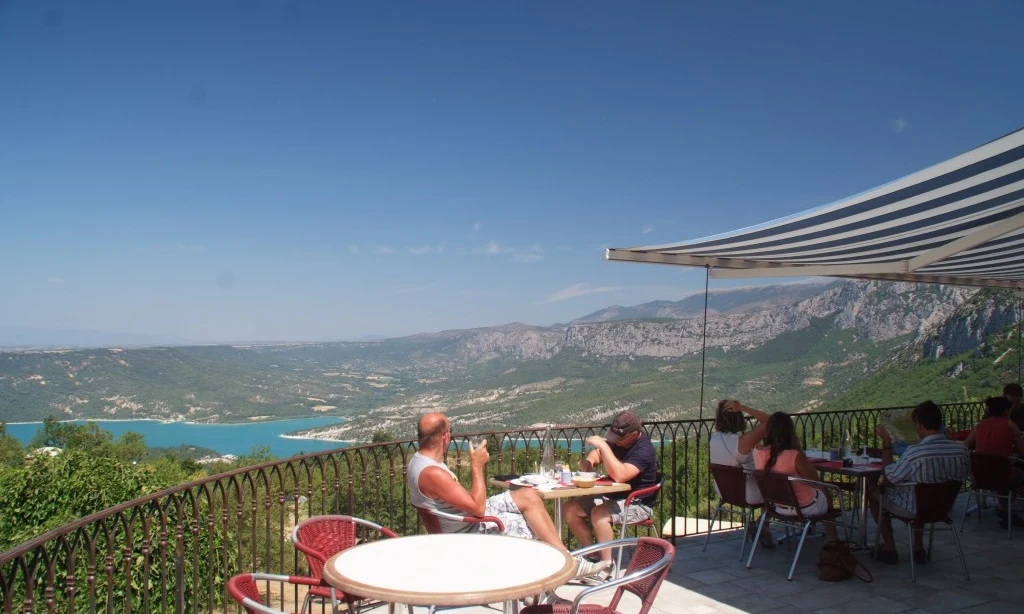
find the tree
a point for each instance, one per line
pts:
(383, 436)
(11, 452)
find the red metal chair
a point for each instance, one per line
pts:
(648, 523)
(431, 520)
(320, 538)
(647, 570)
(777, 490)
(990, 474)
(732, 491)
(244, 589)
(934, 504)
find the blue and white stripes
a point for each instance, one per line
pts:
(960, 222)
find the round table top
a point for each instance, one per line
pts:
(449, 569)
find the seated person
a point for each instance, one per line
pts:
(934, 459)
(628, 456)
(730, 446)
(433, 486)
(781, 453)
(996, 434)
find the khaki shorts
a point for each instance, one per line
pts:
(637, 512)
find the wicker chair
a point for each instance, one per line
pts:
(244, 588)
(320, 538)
(647, 570)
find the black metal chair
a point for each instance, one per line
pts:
(777, 490)
(990, 475)
(732, 491)
(934, 504)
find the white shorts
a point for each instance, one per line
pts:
(815, 508)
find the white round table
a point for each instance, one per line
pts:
(450, 569)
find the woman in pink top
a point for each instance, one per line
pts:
(781, 453)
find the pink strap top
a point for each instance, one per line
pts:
(785, 464)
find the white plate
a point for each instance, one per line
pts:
(532, 480)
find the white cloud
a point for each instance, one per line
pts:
(57, 281)
(426, 249)
(382, 250)
(899, 124)
(576, 290)
(648, 229)
(533, 253)
(353, 249)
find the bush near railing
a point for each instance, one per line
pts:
(173, 550)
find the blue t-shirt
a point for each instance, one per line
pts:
(642, 456)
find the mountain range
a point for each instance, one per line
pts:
(789, 347)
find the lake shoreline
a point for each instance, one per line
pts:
(238, 438)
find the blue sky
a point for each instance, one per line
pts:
(318, 170)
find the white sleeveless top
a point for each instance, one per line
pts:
(417, 464)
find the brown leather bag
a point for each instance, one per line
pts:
(837, 563)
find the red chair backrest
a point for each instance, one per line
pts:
(778, 490)
(243, 586)
(430, 522)
(732, 484)
(327, 535)
(990, 471)
(649, 550)
(934, 502)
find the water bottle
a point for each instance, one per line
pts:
(847, 444)
(547, 457)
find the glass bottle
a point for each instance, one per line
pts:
(847, 444)
(547, 457)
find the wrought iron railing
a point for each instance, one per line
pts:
(173, 551)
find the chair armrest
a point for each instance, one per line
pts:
(615, 543)
(471, 519)
(647, 490)
(310, 552)
(827, 487)
(629, 578)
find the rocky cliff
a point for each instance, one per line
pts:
(879, 311)
(970, 323)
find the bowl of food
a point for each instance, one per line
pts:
(584, 479)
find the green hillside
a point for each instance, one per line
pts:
(969, 376)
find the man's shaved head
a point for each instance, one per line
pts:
(431, 429)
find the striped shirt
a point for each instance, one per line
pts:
(933, 459)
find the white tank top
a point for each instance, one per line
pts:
(416, 466)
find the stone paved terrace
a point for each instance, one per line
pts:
(716, 581)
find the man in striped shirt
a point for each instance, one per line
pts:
(933, 459)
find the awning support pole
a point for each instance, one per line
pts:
(704, 340)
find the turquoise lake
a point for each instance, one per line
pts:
(224, 438)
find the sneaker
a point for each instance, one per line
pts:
(586, 569)
(550, 598)
(600, 577)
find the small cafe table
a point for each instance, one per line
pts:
(450, 569)
(863, 473)
(561, 492)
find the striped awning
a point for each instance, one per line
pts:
(959, 222)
